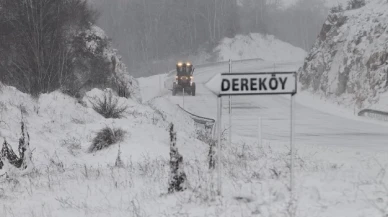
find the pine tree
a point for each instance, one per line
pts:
(177, 180)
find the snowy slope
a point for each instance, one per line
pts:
(348, 62)
(256, 45)
(67, 177)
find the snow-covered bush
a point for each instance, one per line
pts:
(8, 156)
(178, 179)
(108, 106)
(100, 66)
(107, 137)
(206, 137)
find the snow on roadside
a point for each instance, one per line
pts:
(152, 86)
(57, 121)
(382, 104)
(328, 106)
(330, 181)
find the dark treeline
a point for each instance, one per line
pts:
(151, 30)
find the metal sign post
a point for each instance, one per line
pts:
(256, 83)
(219, 149)
(230, 109)
(292, 148)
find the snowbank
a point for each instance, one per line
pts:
(256, 45)
(58, 123)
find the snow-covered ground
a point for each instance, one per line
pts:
(339, 169)
(331, 180)
(317, 122)
(342, 149)
(382, 105)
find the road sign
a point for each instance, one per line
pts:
(256, 83)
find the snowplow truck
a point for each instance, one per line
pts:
(184, 79)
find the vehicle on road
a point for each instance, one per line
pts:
(184, 79)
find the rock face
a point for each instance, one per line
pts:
(349, 61)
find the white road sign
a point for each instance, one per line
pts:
(260, 83)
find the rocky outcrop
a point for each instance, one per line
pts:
(349, 61)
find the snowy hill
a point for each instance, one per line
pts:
(348, 63)
(61, 130)
(256, 45)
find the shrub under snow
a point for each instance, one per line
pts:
(108, 106)
(106, 137)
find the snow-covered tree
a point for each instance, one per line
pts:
(177, 179)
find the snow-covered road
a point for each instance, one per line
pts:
(313, 124)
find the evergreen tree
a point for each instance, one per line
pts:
(178, 179)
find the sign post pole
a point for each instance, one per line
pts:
(292, 149)
(260, 130)
(219, 129)
(230, 109)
